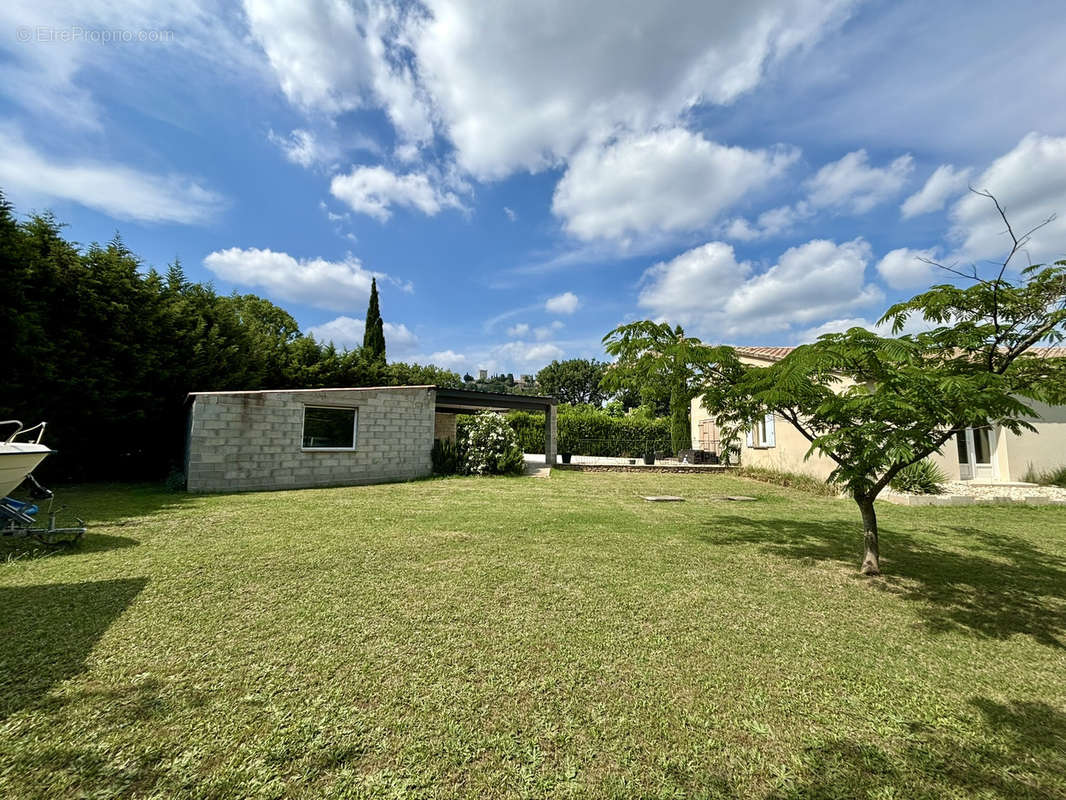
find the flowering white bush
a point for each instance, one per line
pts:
(491, 446)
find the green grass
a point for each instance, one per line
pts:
(534, 638)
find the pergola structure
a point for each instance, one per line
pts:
(468, 401)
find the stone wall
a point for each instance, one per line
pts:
(241, 441)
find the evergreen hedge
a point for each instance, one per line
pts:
(590, 433)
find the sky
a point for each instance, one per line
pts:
(522, 177)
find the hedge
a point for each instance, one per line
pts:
(591, 433)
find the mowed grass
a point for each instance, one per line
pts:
(534, 638)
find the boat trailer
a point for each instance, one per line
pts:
(19, 519)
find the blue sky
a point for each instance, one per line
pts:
(523, 177)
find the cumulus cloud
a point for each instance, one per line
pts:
(1030, 183)
(526, 354)
(519, 330)
(347, 333)
(723, 297)
(945, 182)
(29, 176)
(447, 359)
(912, 326)
(772, 223)
(666, 181)
(565, 303)
(852, 185)
(375, 190)
(521, 87)
(903, 268)
(334, 285)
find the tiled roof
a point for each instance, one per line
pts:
(1049, 352)
(777, 353)
(769, 353)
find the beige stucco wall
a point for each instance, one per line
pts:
(1044, 450)
(253, 440)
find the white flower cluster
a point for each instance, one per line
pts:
(491, 445)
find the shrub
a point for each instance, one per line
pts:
(590, 432)
(447, 457)
(490, 446)
(791, 480)
(1050, 477)
(923, 477)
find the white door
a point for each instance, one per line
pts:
(977, 454)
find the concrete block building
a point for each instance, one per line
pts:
(298, 438)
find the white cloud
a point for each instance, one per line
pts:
(666, 181)
(519, 330)
(565, 303)
(303, 148)
(1030, 184)
(332, 56)
(335, 285)
(945, 182)
(526, 354)
(775, 222)
(709, 288)
(521, 86)
(447, 359)
(347, 333)
(29, 177)
(904, 269)
(374, 190)
(510, 212)
(851, 184)
(911, 326)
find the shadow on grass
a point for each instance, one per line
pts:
(26, 549)
(48, 632)
(1018, 750)
(997, 586)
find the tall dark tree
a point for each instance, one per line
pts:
(374, 334)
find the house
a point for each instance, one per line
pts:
(987, 454)
(297, 438)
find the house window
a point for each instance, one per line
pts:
(329, 428)
(761, 434)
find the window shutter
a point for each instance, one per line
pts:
(750, 438)
(771, 439)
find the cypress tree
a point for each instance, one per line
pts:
(374, 334)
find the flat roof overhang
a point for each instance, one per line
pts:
(466, 401)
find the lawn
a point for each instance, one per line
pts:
(534, 638)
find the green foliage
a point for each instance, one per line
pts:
(1051, 477)
(658, 361)
(792, 480)
(921, 477)
(447, 457)
(374, 331)
(107, 352)
(490, 446)
(574, 381)
(875, 405)
(591, 432)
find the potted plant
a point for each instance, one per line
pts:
(649, 456)
(625, 454)
(565, 449)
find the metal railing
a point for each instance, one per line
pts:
(20, 431)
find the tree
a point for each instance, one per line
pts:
(574, 381)
(660, 360)
(875, 405)
(374, 333)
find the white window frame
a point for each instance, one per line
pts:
(355, 429)
(762, 435)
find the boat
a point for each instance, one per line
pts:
(19, 458)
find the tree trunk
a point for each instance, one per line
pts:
(871, 564)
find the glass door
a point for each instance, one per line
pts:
(977, 450)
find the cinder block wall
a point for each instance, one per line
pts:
(444, 426)
(253, 440)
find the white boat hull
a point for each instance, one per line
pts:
(17, 460)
